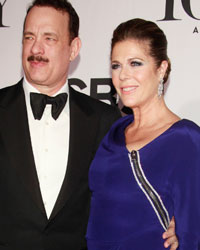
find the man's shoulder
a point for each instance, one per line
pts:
(90, 102)
(12, 86)
(8, 93)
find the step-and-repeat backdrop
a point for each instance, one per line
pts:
(90, 72)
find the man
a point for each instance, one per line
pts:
(46, 148)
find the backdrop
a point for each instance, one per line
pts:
(90, 72)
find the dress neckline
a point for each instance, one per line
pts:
(152, 141)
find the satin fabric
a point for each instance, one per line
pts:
(121, 217)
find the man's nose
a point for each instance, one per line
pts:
(37, 47)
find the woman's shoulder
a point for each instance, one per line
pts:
(188, 127)
(185, 143)
(189, 123)
(115, 136)
(187, 132)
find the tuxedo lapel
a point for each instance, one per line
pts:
(16, 137)
(81, 148)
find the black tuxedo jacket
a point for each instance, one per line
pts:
(23, 221)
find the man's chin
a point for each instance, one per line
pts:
(37, 81)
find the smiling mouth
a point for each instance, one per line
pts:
(128, 89)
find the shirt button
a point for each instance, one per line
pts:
(46, 150)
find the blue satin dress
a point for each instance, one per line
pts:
(121, 215)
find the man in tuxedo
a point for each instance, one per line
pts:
(49, 134)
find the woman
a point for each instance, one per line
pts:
(146, 169)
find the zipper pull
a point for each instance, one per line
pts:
(134, 155)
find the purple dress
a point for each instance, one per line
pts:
(122, 215)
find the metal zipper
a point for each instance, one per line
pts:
(149, 191)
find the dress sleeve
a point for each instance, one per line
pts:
(186, 195)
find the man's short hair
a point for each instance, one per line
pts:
(63, 6)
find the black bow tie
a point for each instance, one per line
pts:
(39, 101)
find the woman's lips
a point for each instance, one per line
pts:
(128, 89)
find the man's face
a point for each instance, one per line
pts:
(47, 50)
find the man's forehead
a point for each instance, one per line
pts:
(47, 11)
(46, 16)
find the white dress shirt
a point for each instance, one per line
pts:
(50, 144)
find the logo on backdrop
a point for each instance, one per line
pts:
(108, 97)
(170, 12)
(95, 83)
(1, 14)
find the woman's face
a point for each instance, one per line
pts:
(134, 73)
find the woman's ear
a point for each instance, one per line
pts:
(163, 68)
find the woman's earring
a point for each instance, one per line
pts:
(160, 87)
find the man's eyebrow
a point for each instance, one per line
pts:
(28, 33)
(50, 34)
(45, 33)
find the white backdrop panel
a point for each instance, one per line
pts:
(98, 20)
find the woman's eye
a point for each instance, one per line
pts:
(136, 63)
(114, 66)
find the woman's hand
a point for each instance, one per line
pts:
(170, 236)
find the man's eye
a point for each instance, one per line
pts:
(50, 39)
(28, 38)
